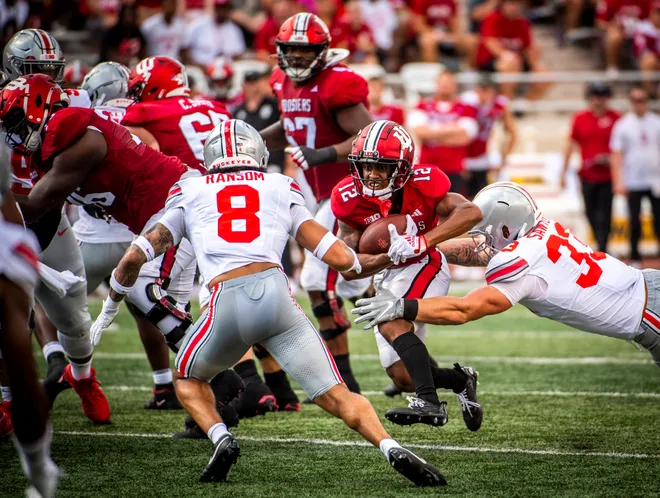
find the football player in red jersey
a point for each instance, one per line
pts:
(383, 181)
(323, 105)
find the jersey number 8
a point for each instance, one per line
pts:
(238, 206)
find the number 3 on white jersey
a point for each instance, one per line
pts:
(196, 138)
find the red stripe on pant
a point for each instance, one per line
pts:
(333, 275)
(169, 258)
(652, 320)
(200, 334)
(423, 279)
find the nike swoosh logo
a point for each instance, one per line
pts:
(161, 402)
(62, 232)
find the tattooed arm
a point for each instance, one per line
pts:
(128, 269)
(371, 263)
(461, 252)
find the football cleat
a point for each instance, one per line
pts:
(226, 386)
(6, 427)
(415, 469)
(419, 411)
(191, 431)
(94, 402)
(473, 413)
(164, 399)
(225, 454)
(54, 382)
(257, 399)
(392, 391)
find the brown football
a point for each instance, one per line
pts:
(376, 238)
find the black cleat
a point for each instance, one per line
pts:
(192, 430)
(54, 382)
(164, 399)
(285, 397)
(225, 455)
(419, 412)
(473, 413)
(226, 386)
(257, 399)
(415, 469)
(392, 391)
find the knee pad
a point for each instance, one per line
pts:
(76, 347)
(260, 352)
(329, 334)
(325, 309)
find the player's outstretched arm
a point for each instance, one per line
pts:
(70, 168)
(461, 215)
(371, 263)
(481, 302)
(145, 248)
(461, 252)
(324, 245)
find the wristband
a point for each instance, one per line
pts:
(323, 156)
(410, 308)
(146, 247)
(324, 245)
(116, 286)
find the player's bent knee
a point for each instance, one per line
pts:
(651, 341)
(392, 330)
(76, 346)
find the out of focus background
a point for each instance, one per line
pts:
(568, 69)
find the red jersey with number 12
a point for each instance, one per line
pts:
(180, 125)
(132, 181)
(308, 115)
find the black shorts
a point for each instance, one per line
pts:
(489, 67)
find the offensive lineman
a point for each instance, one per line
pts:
(323, 105)
(238, 218)
(384, 181)
(540, 264)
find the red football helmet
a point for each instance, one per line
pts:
(382, 144)
(297, 33)
(26, 105)
(156, 78)
(220, 74)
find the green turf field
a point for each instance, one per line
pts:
(565, 413)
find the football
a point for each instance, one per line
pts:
(376, 238)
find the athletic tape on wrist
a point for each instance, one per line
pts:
(410, 309)
(324, 245)
(116, 286)
(146, 247)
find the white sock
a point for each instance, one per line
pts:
(52, 347)
(81, 370)
(217, 431)
(6, 393)
(387, 444)
(36, 453)
(163, 376)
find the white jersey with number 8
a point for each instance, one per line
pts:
(233, 219)
(556, 276)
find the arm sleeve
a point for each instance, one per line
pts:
(527, 287)
(174, 221)
(299, 215)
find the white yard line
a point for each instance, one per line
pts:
(328, 442)
(586, 394)
(531, 360)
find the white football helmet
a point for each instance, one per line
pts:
(33, 51)
(105, 82)
(234, 145)
(509, 213)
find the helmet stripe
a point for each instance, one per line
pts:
(301, 24)
(371, 142)
(45, 41)
(228, 138)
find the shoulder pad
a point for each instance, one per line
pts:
(430, 181)
(343, 200)
(64, 128)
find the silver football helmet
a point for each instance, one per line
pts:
(33, 51)
(234, 145)
(509, 212)
(105, 82)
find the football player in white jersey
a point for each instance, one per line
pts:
(540, 264)
(19, 275)
(238, 218)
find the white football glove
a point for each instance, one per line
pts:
(298, 157)
(103, 321)
(407, 246)
(384, 307)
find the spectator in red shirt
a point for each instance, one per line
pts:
(390, 112)
(444, 127)
(647, 46)
(438, 28)
(264, 41)
(358, 36)
(506, 46)
(591, 131)
(331, 12)
(618, 19)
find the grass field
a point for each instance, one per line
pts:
(565, 413)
